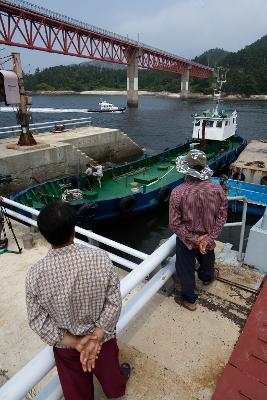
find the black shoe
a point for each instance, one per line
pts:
(126, 370)
(216, 275)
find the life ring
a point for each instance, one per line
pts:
(87, 210)
(238, 176)
(127, 204)
(263, 180)
(164, 195)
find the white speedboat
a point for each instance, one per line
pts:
(108, 107)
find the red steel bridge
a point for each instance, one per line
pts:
(30, 26)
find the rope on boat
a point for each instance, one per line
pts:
(163, 176)
(136, 171)
(72, 194)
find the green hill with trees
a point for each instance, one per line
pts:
(213, 57)
(247, 74)
(247, 69)
(82, 77)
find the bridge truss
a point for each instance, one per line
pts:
(26, 25)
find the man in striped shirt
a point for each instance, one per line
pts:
(198, 212)
(73, 303)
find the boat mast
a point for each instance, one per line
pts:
(221, 79)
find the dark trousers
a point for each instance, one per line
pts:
(78, 385)
(185, 268)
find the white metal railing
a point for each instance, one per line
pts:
(241, 223)
(19, 385)
(16, 129)
(33, 372)
(90, 235)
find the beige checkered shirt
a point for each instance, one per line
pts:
(72, 289)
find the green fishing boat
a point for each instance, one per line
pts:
(128, 189)
(136, 187)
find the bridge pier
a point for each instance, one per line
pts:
(132, 79)
(185, 84)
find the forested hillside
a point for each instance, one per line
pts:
(247, 74)
(88, 77)
(247, 69)
(213, 57)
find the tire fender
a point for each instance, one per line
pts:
(87, 210)
(164, 195)
(263, 180)
(126, 204)
(238, 176)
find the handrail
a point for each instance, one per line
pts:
(84, 232)
(242, 223)
(68, 124)
(19, 385)
(47, 122)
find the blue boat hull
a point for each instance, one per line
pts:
(108, 210)
(255, 194)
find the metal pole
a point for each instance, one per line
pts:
(147, 266)
(26, 138)
(242, 232)
(264, 221)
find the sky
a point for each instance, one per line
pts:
(184, 27)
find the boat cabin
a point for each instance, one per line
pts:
(218, 125)
(105, 106)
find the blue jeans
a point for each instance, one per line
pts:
(185, 267)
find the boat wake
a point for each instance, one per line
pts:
(48, 110)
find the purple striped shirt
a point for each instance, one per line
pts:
(197, 208)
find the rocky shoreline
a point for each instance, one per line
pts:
(199, 96)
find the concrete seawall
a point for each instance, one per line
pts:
(65, 153)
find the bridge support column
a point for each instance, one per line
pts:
(132, 80)
(185, 84)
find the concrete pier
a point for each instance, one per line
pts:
(61, 154)
(132, 80)
(185, 84)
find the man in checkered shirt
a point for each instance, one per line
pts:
(198, 212)
(73, 303)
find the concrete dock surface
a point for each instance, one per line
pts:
(175, 354)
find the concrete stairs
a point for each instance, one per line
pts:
(83, 157)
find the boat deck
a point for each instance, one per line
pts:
(143, 176)
(175, 354)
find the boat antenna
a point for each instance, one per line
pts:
(221, 79)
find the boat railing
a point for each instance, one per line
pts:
(241, 223)
(33, 372)
(44, 126)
